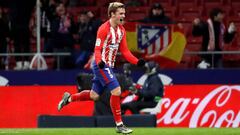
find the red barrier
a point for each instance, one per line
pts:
(200, 106)
(183, 105)
(20, 105)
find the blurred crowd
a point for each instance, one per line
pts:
(64, 34)
(59, 33)
(65, 31)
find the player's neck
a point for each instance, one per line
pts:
(113, 24)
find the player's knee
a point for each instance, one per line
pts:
(94, 96)
(116, 91)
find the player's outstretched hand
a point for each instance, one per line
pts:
(141, 62)
(101, 64)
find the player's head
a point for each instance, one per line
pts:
(151, 68)
(116, 11)
(217, 14)
(60, 9)
(157, 10)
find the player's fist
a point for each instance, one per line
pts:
(140, 63)
(101, 64)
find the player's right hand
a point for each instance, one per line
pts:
(101, 64)
(141, 62)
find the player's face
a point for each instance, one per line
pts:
(60, 10)
(220, 17)
(119, 16)
(157, 12)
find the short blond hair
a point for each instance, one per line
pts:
(113, 6)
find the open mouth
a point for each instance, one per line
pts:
(121, 19)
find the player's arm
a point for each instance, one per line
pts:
(101, 36)
(127, 54)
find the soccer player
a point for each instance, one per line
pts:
(111, 36)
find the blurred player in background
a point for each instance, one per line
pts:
(111, 36)
(214, 35)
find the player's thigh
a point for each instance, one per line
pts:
(116, 90)
(105, 75)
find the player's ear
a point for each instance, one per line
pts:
(112, 14)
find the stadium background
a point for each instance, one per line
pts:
(33, 93)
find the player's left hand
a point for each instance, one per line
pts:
(101, 64)
(141, 62)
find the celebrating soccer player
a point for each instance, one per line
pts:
(111, 36)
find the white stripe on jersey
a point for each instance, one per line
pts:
(119, 35)
(113, 35)
(110, 48)
(117, 44)
(104, 48)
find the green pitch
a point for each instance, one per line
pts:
(111, 131)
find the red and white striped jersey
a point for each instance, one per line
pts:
(109, 40)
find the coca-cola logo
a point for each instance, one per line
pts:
(219, 108)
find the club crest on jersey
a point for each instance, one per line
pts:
(114, 46)
(98, 42)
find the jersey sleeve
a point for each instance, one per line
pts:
(125, 51)
(101, 36)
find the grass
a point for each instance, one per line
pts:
(111, 131)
